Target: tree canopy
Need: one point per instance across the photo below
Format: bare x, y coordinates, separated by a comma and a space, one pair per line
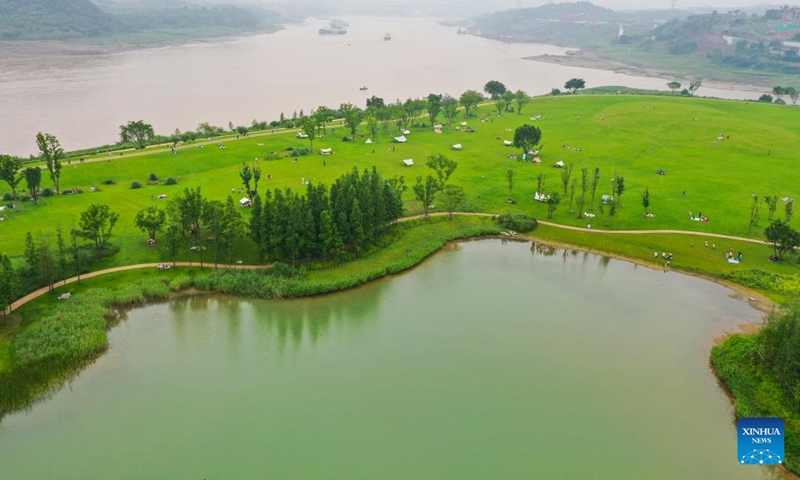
526, 137
494, 89
575, 84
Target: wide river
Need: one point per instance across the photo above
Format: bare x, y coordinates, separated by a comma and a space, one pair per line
82, 99
490, 360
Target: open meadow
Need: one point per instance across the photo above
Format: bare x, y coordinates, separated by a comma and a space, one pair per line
715, 155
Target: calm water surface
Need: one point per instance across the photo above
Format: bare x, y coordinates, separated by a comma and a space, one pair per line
491, 360
82, 99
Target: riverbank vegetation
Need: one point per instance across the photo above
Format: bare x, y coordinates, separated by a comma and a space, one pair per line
762, 371
82, 19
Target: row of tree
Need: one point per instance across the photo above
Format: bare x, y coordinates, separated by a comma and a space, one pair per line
324, 223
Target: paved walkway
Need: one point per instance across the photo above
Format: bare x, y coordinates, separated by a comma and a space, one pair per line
42, 291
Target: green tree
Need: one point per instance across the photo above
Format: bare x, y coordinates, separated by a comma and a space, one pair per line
782, 237
510, 180
619, 189
433, 104
443, 166
256, 167
575, 84
453, 197
793, 94
425, 191
450, 110
584, 189
51, 153
674, 86
789, 210
214, 221
189, 206
527, 137
375, 102
779, 92
9, 172
96, 224
371, 119
494, 89
755, 214
353, 116
646, 200
504, 102
521, 99
246, 174
232, 227
553, 200
150, 220
310, 127
541, 181
137, 132
469, 100
566, 173
46, 265
694, 86
9, 284
63, 256
322, 117
75, 251
33, 179
595, 181
772, 205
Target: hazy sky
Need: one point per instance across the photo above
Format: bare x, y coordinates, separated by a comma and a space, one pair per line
722, 5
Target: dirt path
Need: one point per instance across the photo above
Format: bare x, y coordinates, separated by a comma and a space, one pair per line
42, 291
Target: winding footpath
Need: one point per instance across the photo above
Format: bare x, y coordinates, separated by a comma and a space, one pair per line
38, 293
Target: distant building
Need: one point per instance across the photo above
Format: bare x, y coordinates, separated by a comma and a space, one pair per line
792, 14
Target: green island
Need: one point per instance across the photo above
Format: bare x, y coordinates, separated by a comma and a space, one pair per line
709, 180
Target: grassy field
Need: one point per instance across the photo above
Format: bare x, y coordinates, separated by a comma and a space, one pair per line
633, 135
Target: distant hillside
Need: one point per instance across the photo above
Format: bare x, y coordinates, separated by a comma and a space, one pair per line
570, 24
75, 19
54, 19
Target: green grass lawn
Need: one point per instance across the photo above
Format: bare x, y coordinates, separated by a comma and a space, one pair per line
634, 135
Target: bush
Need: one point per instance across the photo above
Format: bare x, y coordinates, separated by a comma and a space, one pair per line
47, 192
555, 91
517, 222
766, 98
780, 101
347, 139
171, 181
153, 177
7, 197
136, 185
299, 152
109, 182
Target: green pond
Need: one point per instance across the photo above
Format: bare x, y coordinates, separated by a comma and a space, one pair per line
490, 360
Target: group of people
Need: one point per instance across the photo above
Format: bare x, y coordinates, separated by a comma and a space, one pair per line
666, 257
732, 258
163, 266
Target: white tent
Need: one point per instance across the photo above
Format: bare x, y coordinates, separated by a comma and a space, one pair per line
541, 197
325, 151
464, 124
369, 141
406, 132
408, 162
559, 164
508, 143
400, 139
302, 135
245, 202
457, 146
437, 128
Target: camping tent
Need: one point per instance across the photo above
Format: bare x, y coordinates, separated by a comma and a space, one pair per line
464, 124
437, 128
559, 164
369, 141
508, 143
400, 139
302, 135
406, 132
245, 202
408, 162
325, 151
457, 146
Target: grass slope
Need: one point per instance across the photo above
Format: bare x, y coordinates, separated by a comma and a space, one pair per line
633, 135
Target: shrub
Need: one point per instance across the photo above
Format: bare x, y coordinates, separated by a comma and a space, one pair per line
517, 222
171, 181
136, 185
153, 177
299, 152
347, 139
47, 192
7, 197
109, 182
766, 98
555, 91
